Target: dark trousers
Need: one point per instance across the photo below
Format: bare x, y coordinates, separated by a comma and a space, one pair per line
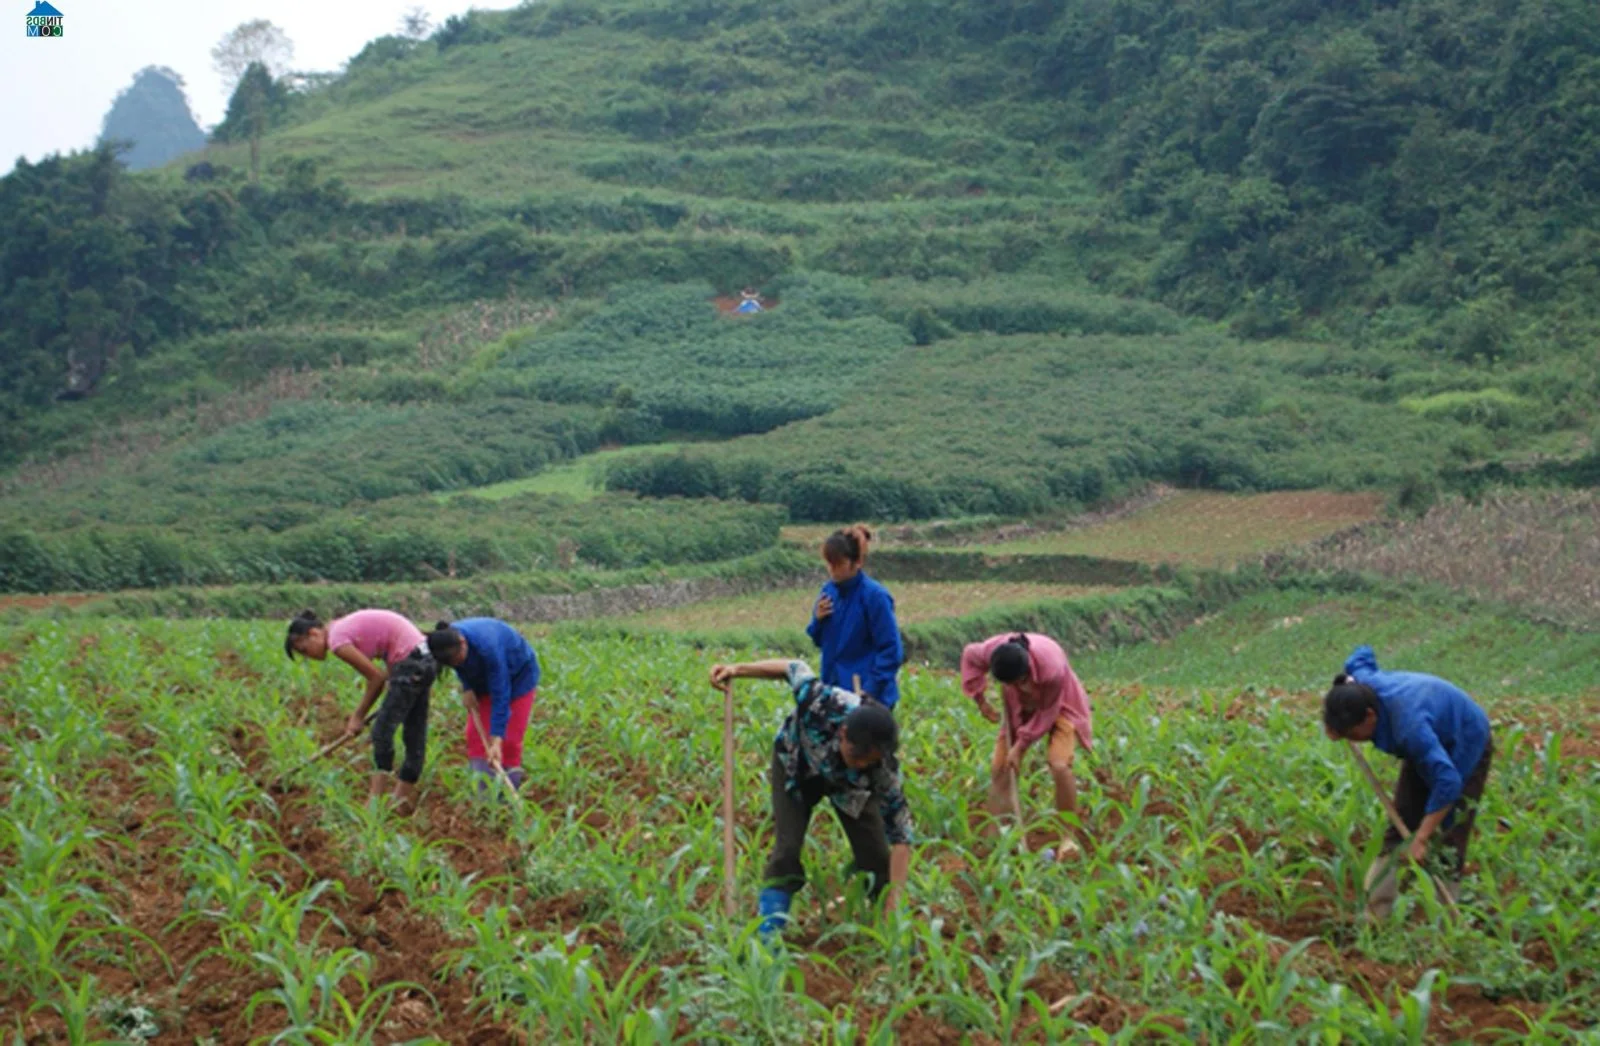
404, 708
1411, 800
791, 815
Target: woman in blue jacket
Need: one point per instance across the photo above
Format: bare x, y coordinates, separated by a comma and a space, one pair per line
853, 623
1445, 745
499, 673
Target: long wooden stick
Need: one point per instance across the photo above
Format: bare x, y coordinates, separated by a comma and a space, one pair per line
1394, 815
483, 739
730, 898
330, 747
1015, 772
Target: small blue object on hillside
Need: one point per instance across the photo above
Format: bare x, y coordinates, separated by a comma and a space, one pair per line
1431, 723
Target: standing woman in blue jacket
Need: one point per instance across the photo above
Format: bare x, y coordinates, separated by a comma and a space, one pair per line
1442, 739
853, 623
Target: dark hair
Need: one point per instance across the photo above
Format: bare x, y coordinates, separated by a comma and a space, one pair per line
1010, 662
300, 626
1346, 704
444, 640
871, 728
848, 545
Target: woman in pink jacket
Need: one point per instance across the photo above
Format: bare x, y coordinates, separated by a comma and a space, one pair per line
1042, 696
407, 672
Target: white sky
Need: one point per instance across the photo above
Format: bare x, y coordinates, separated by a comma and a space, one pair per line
57, 91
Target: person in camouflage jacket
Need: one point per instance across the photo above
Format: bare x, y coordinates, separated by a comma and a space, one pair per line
836, 746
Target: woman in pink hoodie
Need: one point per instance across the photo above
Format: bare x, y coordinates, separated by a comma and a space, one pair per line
1042, 696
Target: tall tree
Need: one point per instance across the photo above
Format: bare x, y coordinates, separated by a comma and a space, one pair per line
237, 55
153, 116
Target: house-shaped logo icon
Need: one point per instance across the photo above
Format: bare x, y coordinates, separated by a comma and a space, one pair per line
45, 20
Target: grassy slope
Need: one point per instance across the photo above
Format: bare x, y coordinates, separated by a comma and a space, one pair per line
962, 221
580, 479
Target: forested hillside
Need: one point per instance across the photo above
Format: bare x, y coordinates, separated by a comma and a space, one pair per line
1018, 255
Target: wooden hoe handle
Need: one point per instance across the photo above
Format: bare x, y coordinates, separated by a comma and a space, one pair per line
729, 885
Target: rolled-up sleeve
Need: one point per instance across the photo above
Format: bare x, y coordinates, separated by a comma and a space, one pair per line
800, 679
975, 666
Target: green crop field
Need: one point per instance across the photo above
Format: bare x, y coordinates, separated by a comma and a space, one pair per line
581, 479
162, 888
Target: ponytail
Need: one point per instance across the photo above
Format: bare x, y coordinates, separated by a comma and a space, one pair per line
848, 545
299, 626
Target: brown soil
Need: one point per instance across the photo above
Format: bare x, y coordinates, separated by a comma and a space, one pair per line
45, 602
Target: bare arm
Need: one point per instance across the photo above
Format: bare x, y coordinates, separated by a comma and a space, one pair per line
1424, 832
773, 669
375, 676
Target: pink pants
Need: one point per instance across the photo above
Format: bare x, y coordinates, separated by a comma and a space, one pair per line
516, 727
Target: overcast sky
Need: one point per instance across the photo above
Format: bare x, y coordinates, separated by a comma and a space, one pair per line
55, 92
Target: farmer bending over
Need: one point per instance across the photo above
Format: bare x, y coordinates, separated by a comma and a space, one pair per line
361, 640
1042, 696
833, 745
1442, 738
499, 674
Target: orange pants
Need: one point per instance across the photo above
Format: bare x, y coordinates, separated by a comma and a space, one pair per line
1063, 746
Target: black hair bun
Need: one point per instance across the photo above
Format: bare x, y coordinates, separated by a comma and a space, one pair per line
440, 626
307, 615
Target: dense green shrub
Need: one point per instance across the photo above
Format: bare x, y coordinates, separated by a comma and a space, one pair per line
313, 456
405, 539
1017, 425
697, 369
1022, 305
503, 595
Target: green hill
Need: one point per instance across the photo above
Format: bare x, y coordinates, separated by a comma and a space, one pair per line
1023, 254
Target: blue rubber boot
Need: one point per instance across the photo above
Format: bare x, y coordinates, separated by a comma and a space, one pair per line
774, 908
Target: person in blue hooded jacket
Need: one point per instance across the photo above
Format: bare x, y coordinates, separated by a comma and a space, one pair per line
1443, 740
853, 622
499, 674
